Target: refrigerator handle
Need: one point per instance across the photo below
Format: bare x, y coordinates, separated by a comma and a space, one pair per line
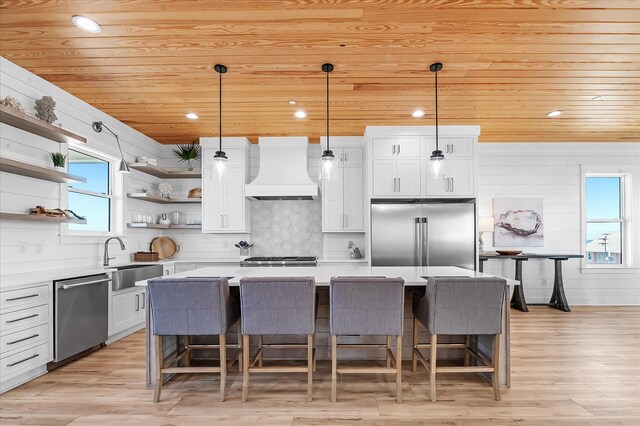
425, 242
417, 250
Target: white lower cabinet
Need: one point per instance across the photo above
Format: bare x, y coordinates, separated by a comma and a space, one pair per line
128, 309
397, 178
343, 201
26, 333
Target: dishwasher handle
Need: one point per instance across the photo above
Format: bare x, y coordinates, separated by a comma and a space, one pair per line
68, 286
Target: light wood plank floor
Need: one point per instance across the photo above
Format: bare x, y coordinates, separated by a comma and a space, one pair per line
580, 368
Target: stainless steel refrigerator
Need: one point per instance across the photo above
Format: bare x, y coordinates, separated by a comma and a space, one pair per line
423, 233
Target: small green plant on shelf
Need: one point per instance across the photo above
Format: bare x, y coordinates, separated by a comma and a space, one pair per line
59, 160
187, 153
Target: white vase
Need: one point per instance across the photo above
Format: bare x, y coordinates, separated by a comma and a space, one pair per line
59, 169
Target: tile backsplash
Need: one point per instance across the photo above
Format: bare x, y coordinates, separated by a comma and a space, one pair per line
286, 228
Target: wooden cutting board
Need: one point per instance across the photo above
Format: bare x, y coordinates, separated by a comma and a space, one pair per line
165, 247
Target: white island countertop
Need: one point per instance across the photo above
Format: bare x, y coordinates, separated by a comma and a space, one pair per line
323, 273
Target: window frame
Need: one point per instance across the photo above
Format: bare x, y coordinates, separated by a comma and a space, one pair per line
115, 195
625, 220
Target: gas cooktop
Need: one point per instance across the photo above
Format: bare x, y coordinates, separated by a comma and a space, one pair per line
280, 261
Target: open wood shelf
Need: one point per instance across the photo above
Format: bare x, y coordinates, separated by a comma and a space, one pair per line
38, 172
37, 127
38, 218
159, 226
166, 173
162, 200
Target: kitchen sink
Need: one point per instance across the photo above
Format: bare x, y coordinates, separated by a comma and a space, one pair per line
126, 276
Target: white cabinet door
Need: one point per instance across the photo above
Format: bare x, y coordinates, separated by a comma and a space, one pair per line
384, 178
408, 174
213, 201
332, 202
353, 199
408, 147
168, 269
437, 176
142, 306
459, 147
233, 220
461, 174
352, 156
124, 310
384, 147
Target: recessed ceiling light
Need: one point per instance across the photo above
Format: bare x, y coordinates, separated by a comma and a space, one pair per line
292, 102
192, 115
596, 98
417, 113
300, 114
554, 113
86, 24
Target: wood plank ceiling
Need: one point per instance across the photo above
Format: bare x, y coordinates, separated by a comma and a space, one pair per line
506, 64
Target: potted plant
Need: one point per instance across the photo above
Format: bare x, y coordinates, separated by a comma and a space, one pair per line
58, 160
244, 248
188, 153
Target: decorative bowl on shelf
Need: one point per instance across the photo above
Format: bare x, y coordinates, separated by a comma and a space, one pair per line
508, 252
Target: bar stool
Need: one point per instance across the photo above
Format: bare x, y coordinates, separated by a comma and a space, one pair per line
277, 306
367, 306
460, 306
191, 307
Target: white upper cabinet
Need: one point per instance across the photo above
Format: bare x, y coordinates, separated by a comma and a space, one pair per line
453, 147
454, 178
405, 147
396, 178
343, 197
224, 206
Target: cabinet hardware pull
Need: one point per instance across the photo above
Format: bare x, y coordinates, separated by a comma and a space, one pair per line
394, 184
221, 221
398, 184
23, 360
22, 319
452, 148
23, 339
398, 149
345, 157
137, 302
142, 298
451, 184
22, 297
393, 151
68, 286
342, 158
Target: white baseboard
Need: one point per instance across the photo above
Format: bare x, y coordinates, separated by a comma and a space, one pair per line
124, 333
23, 378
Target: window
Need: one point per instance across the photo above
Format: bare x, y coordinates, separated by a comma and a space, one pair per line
92, 199
605, 226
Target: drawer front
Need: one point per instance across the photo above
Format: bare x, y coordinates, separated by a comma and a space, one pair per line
15, 364
24, 296
24, 338
24, 318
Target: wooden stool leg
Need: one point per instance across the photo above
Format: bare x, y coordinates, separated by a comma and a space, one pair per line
399, 368
159, 367
310, 367
467, 345
315, 353
187, 357
388, 349
334, 365
414, 358
240, 345
496, 367
223, 366
432, 364
261, 356
245, 372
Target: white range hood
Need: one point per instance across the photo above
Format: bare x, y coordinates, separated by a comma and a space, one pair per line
283, 171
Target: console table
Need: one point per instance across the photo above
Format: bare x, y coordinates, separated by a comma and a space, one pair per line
558, 298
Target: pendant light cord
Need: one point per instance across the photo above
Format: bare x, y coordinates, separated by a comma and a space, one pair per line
437, 146
328, 112
220, 111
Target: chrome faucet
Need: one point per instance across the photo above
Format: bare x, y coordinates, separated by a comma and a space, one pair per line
106, 249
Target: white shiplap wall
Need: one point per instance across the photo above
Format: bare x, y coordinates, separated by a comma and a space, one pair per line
553, 171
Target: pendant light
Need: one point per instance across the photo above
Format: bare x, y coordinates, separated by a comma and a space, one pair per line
436, 155
327, 169
98, 126
220, 157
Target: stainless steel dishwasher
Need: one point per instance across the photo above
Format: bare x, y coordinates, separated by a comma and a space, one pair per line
81, 315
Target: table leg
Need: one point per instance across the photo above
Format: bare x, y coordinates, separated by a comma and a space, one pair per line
558, 298
517, 300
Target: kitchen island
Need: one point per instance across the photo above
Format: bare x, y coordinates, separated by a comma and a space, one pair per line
415, 280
